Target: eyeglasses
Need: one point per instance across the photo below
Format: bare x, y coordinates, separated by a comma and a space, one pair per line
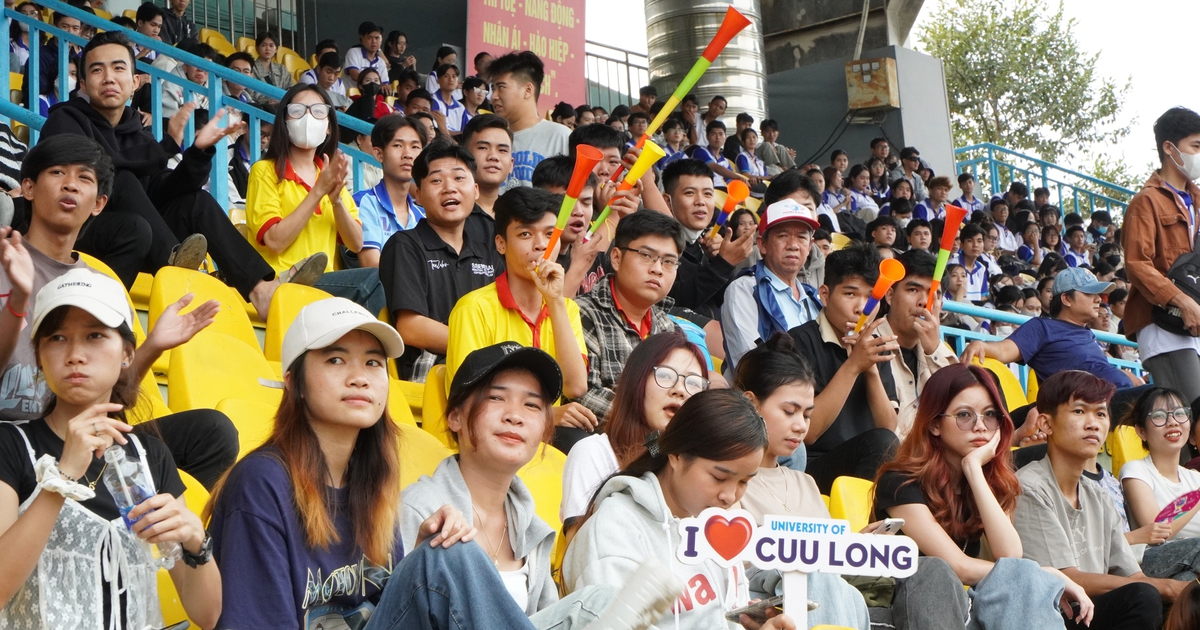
1182, 415
967, 418
296, 111
669, 263
666, 377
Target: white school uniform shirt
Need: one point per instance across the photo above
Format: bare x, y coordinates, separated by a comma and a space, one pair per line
356, 59
310, 77
970, 206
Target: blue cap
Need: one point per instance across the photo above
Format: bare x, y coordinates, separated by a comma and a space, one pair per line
1079, 279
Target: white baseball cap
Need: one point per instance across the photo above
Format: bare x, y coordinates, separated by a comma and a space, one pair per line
786, 210
99, 295
321, 323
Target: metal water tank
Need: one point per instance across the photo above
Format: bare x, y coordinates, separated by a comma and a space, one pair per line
677, 32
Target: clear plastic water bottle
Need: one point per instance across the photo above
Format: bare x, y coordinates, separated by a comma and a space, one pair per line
128, 484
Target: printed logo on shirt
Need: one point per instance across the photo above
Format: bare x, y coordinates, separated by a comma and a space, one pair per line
523, 164
435, 264
481, 269
351, 580
699, 592
21, 390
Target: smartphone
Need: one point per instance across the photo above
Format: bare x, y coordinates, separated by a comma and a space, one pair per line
758, 610
889, 526
182, 625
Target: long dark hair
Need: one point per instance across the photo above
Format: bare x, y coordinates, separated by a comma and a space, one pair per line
717, 424
125, 391
1185, 613
626, 423
281, 141
770, 366
921, 458
372, 475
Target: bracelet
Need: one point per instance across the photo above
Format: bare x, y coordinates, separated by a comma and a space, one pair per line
8, 306
51, 479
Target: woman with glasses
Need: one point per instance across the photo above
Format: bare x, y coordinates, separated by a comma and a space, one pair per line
954, 485
1157, 482
662, 372
298, 209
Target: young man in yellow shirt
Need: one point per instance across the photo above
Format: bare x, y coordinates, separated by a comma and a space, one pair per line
526, 302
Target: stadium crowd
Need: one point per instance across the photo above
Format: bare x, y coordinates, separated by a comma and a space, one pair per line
677, 367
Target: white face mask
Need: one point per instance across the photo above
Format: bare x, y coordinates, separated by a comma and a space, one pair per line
1190, 166
904, 222
307, 132
71, 83
24, 27
1003, 331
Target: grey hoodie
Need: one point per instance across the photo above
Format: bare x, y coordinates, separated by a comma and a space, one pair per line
530, 536
631, 523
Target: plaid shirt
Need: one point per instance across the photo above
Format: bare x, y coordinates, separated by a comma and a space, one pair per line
610, 339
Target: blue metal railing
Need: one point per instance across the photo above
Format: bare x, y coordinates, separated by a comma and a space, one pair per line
1073, 191
959, 338
217, 74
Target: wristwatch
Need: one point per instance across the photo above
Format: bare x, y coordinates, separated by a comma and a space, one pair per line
205, 555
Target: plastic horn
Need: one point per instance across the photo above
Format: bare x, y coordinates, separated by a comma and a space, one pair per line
954, 218
651, 153
891, 271
738, 191
586, 158
733, 24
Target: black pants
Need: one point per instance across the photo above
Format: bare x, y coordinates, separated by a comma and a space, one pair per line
120, 240
860, 456
174, 217
203, 442
1132, 607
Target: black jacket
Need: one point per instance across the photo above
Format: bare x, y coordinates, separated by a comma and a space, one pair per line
133, 148
701, 280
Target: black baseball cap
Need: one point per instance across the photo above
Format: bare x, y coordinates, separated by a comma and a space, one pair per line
484, 362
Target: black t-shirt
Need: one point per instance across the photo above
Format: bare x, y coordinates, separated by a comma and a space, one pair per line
423, 274
855, 417
891, 491
17, 471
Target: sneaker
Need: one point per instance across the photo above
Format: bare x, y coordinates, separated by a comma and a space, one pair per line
307, 271
190, 253
645, 598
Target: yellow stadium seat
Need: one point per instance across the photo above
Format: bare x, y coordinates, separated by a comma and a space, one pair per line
16, 80
1125, 446
1032, 389
420, 454
215, 39
397, 405
172, 283
285, 305
294, 65
1014, 395
717, 364
414, 394
150, 403
214, 366
825, 498
353, 91
196, 498
433, 407
253, 420
104, 14
543, 476
130, 13
850, 499
246, 45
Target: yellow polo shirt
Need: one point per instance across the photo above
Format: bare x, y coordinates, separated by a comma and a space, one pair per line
490, 315
269, 200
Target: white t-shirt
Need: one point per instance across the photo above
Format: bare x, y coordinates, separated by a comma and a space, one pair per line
356, 59
530, 146
590, 462
1153, 341
517, 584
1165, 490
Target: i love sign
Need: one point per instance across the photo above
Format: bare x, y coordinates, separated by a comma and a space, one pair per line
786, 543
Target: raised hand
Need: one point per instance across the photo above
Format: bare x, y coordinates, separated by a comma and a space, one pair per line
173, 330
18, 266
211, 133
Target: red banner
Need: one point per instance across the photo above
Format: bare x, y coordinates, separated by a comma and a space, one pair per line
552, 29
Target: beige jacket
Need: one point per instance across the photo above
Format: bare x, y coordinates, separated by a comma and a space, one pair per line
908, 385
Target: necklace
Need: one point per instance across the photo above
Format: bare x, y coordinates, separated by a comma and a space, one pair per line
496, 549
783, 502
92, 484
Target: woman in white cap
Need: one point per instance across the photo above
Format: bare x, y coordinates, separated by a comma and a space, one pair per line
69, 559
307, 525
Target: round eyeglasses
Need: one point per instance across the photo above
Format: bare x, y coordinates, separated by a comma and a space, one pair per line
1158, 418
296, 111
666, 377
967, 418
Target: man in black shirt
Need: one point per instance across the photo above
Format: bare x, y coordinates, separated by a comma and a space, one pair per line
426, 269
177, 26
853, 424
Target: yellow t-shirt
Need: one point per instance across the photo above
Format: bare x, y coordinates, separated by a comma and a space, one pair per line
489, 315
269, 200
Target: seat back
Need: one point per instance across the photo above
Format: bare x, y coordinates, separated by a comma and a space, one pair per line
543, 476
214, 366
246, 45
1014, 394
253, 419
433, 406
286, 303
420, 454
1125, 446
172, 283
397, 405
150, 404
196, 497
850, 499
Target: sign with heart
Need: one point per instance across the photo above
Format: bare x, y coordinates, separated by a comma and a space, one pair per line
791, 544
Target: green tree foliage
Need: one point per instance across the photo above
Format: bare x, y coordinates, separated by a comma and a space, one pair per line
1016, 76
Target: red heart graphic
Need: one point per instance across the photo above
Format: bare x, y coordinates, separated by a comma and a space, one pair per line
728, 537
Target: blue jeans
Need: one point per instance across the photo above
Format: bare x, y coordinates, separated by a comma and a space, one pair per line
1016, 594
361, 286
1174, 559
459, 589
